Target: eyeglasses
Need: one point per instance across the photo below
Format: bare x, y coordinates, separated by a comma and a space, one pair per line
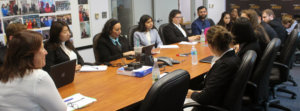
178, 17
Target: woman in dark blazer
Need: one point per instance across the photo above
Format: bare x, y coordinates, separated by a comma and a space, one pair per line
111, 45
245, 37
224, 66
174, 32
59, 46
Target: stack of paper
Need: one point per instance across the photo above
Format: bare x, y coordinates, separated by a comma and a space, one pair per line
169, 46
87, 68
188, 43
77, 101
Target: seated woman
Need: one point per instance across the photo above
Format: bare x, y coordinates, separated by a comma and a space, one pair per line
245, 37
224, 66
225, 21
174, 32
146, 33
59, 46
259, 31
111, 44
24, 85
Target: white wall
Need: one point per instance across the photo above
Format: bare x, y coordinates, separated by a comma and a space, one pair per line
141, 7
215, 9
96, 6
185, 8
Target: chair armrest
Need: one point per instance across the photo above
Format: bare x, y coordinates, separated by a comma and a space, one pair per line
280, 65
251, 84
195, 104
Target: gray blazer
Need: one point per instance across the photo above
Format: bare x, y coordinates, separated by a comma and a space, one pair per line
142, 39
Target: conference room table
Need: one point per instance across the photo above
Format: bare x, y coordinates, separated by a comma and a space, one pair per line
114, 91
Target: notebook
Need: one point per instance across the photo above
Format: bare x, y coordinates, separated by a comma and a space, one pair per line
63, 73
206, 59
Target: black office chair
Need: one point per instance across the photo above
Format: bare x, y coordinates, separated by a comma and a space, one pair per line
257, 91
233, 97
280, 72
167, 94
96, 52
161, 34
131, 31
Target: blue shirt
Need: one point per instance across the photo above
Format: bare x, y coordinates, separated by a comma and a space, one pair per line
198, 25
114, 41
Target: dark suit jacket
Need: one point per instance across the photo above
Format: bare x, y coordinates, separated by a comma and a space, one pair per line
173, 35
217, 80
56, 56
109, 51
271, 32
2, 54
279, 29
244, 47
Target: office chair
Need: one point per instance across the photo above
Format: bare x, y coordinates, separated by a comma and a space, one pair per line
280, 72
257, 91
166, 94
233, 97
131, 31
95, 44
160, 32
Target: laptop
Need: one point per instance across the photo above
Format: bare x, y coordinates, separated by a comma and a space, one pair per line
63, 73
207, 59
147, 49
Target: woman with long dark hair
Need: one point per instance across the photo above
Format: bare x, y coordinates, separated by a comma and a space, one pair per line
111, 45
24, 85
146, 33
225, 21
59, 46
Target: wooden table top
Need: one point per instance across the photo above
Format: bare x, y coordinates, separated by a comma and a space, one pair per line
114, 91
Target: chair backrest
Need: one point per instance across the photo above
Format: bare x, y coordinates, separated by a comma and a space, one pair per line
287, 52
160, 32
262, 72
95, 44
168, 93
131, 31
233, 98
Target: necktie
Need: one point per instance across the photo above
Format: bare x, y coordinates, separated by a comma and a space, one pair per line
117, 44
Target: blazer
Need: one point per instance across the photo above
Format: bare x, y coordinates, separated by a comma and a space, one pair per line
2, 54
279, 29
173, 35
109, 51
244, 47
218, 80
142, 39
56, 56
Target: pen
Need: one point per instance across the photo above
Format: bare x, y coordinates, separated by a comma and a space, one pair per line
68, 99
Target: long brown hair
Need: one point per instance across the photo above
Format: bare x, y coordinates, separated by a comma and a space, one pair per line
20, 55
55, 30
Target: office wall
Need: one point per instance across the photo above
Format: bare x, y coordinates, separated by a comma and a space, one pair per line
185, 8
141, 7
96, 7
215, 9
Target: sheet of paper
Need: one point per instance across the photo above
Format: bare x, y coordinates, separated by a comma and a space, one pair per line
188, 43
77, 101
169, 46
87, 68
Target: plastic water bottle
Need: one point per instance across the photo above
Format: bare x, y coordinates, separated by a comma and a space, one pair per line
155, 71
202, 36
194, 56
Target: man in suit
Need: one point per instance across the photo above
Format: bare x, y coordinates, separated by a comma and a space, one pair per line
202, 22
174, 32
10, 31
269, 17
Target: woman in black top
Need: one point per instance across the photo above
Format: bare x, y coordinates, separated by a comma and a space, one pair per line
111, 45
245, 37
59, 46
224, 66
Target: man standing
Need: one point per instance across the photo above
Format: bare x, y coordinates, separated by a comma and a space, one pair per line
269, 17
202, 22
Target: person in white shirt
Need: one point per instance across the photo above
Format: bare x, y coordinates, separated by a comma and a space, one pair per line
24, 85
